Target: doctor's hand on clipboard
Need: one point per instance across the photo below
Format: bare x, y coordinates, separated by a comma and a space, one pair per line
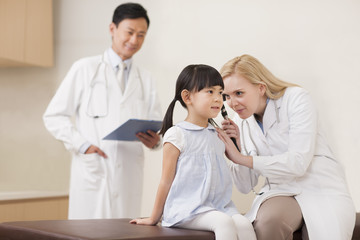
95, 149
150, 139
142, 130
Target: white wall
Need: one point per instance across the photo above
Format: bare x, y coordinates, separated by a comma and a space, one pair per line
311, 43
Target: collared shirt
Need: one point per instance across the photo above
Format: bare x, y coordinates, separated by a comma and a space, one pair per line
116, 59
202, 181
261, 125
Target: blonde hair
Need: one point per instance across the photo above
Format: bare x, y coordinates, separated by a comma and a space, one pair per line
254, 71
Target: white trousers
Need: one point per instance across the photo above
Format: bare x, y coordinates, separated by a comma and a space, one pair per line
225, 227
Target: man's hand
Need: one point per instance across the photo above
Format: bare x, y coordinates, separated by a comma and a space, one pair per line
149, 139
95, 149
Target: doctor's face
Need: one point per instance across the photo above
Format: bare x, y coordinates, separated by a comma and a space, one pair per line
244, 97
128, 36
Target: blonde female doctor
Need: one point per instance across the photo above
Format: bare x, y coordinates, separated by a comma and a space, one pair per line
276, 128
106, 176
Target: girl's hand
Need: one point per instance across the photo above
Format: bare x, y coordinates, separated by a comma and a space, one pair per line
143, 221
231, 129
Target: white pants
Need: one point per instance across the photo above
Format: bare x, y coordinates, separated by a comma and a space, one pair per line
225, 227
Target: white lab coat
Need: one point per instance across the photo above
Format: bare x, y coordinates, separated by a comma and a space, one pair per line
112, 187
295, 157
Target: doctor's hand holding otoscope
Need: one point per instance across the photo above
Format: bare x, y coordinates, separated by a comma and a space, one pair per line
229, 126
230, 135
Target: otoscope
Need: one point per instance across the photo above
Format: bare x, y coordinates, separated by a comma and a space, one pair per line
225, 116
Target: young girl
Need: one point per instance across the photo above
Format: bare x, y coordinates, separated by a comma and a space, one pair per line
195, 188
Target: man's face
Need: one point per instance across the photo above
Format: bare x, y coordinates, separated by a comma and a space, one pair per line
128, 36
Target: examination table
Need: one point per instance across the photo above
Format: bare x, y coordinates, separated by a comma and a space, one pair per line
106, 229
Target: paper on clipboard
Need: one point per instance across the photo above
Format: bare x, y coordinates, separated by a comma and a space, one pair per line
128, 130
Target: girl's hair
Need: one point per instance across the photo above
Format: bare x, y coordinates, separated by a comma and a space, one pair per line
193, 78
254, 71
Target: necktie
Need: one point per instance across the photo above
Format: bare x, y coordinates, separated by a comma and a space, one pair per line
120, 76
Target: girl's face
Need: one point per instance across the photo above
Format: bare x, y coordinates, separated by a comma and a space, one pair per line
205, 104
244, 97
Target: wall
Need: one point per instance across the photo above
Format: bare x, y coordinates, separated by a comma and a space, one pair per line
311, 43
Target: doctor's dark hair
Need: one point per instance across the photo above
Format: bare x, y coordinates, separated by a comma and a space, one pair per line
193, 78
129, 11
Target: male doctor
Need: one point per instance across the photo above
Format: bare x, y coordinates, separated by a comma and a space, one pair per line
102, 92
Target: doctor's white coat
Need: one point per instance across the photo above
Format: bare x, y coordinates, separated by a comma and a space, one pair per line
295, 157
99, 187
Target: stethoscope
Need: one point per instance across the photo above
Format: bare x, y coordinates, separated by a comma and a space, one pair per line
256, 151
251, 153
98, 100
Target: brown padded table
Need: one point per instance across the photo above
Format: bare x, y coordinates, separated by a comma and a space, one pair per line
95, 229
106, 229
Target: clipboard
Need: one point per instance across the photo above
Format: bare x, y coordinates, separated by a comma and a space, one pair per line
128, 130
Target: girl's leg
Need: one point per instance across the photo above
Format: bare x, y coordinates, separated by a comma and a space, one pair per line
245, 230
278, 218
220, 223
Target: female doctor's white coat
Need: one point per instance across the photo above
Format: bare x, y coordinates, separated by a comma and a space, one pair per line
292, 153
99, 187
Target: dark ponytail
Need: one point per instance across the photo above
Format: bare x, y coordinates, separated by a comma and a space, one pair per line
168, 118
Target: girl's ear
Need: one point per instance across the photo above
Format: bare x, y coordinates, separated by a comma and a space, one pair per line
185, 95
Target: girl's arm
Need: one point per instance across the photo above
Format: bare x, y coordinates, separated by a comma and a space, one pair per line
170, 157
